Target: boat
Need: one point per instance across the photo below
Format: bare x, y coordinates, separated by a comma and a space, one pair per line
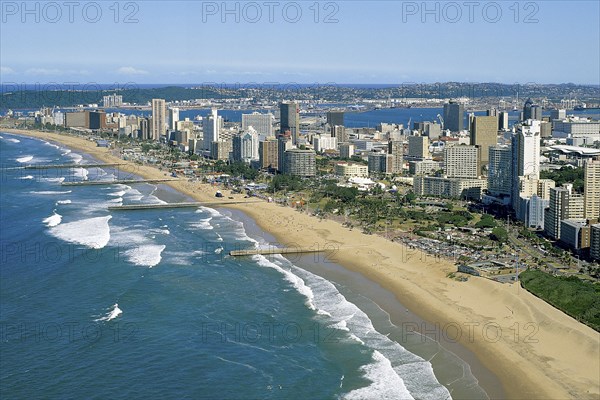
218, 194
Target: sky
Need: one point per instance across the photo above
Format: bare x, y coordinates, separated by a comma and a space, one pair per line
300, 41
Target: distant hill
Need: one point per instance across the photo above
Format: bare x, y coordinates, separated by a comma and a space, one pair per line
337, 93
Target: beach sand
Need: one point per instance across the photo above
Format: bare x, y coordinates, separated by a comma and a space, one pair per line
535, 350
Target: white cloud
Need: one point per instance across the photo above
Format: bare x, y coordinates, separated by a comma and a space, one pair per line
131, 71
6, 70
42, 71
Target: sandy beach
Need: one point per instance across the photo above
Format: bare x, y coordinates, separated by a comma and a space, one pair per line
535, 350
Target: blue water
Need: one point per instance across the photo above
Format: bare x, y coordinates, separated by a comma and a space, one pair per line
361, 119
107, 304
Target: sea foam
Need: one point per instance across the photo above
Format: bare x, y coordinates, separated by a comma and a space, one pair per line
146, 255
53, 220
51, 192
92, 232
113, 313
24, 159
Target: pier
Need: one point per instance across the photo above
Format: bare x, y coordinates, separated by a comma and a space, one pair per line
64, 166
132, 207
276, 250
116, 182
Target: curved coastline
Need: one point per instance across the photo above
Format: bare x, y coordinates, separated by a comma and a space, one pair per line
534, 349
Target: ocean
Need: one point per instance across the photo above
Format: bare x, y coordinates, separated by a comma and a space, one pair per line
148, 304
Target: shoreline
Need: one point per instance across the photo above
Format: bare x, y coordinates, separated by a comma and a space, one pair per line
517, 336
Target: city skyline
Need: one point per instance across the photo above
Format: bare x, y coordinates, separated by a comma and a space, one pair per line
414, 43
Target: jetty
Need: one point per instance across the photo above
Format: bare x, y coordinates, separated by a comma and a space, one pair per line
116, 182
64, 166
276, 250
131, 207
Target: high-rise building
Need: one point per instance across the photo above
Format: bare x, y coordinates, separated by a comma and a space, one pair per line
545, 129
418, 146
112, 101
324, 142
284, 143
396, 148
159, 122
267, 153
346, 150
536, 112
500, 171
595, 241
290, 119
527, 109
533, 209
144, 129
173, 118
492, 112
339, 132
591, 189
381, 163
220, 150
335, 118
211, 127
575, 233
449, 187
423, 167
564, 204
432, 130
525, 156
484, 134
461, 162
245, 146
97, 120
558, 114
300, 163
454, 116
262, 123
503, 121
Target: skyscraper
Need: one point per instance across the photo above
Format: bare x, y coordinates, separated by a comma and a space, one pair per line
527, 109
245, 146
396, 148
564, 204
591, 189
300, 162
346, 150
503, 121
211, 127
267, 153
536, 112
381, 163
159, 122
418, 146
262, 123
284, 143
461, 162
453, 116
290, 119
484, 134
335, 118
500, 171
173, 118
525, 156
339, 132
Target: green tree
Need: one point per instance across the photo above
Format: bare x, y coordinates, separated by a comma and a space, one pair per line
499, 234
486, 221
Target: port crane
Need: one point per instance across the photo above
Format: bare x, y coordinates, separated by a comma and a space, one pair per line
441, 120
